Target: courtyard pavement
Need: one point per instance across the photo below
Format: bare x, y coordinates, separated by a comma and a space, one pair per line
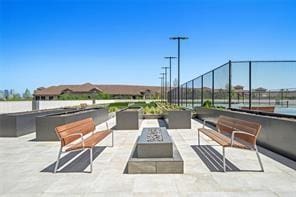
26, 169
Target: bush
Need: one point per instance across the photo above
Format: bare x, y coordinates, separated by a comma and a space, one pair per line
207, 104
113, 109
119, 105
97, 96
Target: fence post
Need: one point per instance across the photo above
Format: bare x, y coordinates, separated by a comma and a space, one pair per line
269, 97
186, 97
201, 96
282, 97
213, 88
192, 92
229, 94
250, 85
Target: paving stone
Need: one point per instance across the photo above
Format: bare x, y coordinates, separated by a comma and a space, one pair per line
22, 161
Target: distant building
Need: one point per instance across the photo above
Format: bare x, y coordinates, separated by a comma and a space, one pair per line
238, 88
115, 91
12, 92
260, 89
6, 93
2, 97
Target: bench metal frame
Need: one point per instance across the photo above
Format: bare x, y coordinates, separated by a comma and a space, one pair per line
82, 149
232, 140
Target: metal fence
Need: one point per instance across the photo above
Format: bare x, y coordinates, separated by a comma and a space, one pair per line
247, 85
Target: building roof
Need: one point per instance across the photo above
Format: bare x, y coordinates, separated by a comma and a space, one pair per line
88, 87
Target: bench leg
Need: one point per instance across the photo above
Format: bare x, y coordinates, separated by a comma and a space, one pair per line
112, 138
259, 159
224, 166
58, 160
91, 159
198, 134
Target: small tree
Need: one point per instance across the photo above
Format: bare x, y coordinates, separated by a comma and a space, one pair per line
27, 94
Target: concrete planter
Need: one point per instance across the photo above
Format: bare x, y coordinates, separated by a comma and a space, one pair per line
278, 134
22, 123
179, 119
45, 125
129, 119
153, 116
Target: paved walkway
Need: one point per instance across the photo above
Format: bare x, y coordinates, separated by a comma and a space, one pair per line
26, 170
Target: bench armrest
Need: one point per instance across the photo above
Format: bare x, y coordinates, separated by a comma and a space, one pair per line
74, 134
240, 132
204, 123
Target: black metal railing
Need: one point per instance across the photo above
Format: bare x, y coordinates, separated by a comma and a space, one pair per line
243, 85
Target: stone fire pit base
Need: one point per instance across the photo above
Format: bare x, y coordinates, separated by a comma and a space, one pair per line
146, 159
173, 165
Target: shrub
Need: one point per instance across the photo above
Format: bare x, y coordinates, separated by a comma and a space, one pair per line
207, 104
113, 109
152, 110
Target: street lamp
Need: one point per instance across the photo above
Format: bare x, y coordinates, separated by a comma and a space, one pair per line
170, 58
165, 84
178, 38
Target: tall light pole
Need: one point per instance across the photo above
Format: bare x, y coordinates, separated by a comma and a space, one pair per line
162, 84
170, 58
160, 88
165, 83
178, 38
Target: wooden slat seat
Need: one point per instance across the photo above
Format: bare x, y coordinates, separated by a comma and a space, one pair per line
222, 140
80, 135
235, 133
89, 142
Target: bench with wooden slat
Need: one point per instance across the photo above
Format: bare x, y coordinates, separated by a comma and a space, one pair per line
234, 132
80, 135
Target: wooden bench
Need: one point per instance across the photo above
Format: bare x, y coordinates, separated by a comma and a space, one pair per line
235, 133
80, 135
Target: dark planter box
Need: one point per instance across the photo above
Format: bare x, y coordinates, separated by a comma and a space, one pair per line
129, 119
179, 119
153, 116
45, 125
278, 134
21, 123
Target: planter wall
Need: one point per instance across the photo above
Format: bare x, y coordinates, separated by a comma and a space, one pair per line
45, 125
129, 119
153, 116
18, 124
179, 119
278, 134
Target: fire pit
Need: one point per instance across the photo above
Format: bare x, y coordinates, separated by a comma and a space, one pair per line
155, 153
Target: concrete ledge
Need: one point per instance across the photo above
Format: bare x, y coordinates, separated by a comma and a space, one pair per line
45, 125
22, 123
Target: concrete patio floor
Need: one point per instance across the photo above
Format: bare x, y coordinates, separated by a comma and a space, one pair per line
26, 170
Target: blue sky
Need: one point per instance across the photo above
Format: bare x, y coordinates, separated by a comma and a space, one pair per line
45, 43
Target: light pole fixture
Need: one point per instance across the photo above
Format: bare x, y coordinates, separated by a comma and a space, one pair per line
165, 82
170, 58
179, 38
